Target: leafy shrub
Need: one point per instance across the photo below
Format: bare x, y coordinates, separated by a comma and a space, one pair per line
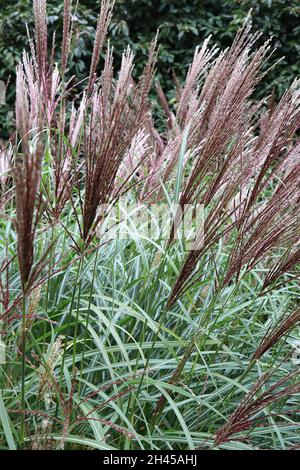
183, 25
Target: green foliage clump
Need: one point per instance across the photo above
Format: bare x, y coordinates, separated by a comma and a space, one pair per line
115, 332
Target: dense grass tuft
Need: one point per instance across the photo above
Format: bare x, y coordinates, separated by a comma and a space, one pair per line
141, 342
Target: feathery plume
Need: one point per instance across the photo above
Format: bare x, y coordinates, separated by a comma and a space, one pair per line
6, 155
65, 47
27, 172
243, 417
101, 32
244, 166
116, 117
273, 336
41, 36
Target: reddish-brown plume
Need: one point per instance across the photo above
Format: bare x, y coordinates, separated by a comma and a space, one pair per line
275, 334
27, 170
117, 114
243, 418
237, 157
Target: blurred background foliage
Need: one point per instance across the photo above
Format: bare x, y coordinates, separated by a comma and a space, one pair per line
182, 24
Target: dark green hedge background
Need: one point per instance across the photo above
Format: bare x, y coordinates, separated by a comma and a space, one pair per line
183, 24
